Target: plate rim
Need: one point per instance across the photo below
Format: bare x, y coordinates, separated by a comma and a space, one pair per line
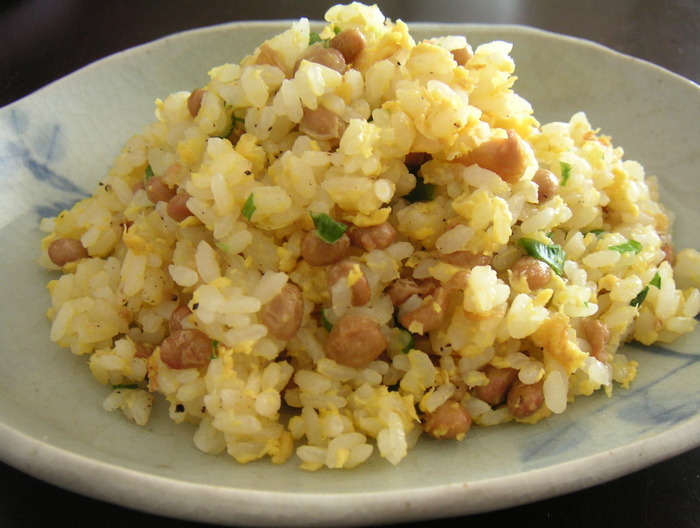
124, 486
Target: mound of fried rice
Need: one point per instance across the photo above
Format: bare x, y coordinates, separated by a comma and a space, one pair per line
427, 140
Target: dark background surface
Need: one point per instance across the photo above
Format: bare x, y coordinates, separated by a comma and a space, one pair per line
43, 40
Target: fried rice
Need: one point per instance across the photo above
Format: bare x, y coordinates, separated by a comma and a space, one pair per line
352, 238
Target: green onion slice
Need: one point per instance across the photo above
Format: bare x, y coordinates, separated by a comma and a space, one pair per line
328, 229
149, 174
249, 207
325, 322
631, 246
411, 343
597, 232
565, 172
551, 254
656, 280
227, 132
422, 192
232, 128
639, 299
214, 348
314, 38
223, 247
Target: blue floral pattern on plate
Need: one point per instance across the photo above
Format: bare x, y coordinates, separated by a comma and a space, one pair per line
646, 407
35, 150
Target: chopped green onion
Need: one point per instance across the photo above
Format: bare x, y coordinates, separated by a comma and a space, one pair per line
223, 247
226, 134
314, 38
129, 386
551, 254
406, 335
422, 192
656, 280
565, 172
248, 207
325, 322
328, 229
410, 345
631, 246
639, 299
597, 232
149, 173
231, 129
214, 347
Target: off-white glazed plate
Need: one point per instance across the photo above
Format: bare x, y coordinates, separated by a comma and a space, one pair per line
57, 143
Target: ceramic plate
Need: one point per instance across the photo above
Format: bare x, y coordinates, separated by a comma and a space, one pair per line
56, 144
